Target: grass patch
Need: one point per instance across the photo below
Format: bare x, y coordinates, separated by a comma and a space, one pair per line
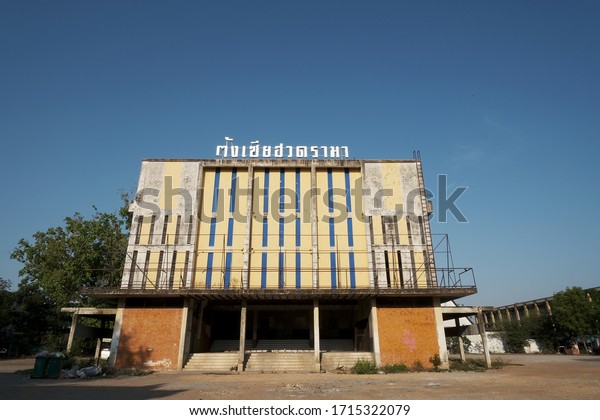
364, 367
396, 368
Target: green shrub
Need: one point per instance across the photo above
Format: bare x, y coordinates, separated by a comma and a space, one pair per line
436, 362
364, 367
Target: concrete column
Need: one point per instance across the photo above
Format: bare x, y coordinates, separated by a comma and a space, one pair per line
500, 317
183, 334
525, 310
242, 354
97, 352
460, 340
548, 308
114, 344
74, 321
508, 317
493, 318
484, 340
441, 334
375, 332
537, 309
248, 236
316, 334
517, 315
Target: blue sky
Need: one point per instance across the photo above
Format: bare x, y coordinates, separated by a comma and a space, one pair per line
502, 96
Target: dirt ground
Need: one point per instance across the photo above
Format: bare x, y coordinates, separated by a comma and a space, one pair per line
527, 377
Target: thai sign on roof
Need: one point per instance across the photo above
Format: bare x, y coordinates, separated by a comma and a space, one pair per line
280, 151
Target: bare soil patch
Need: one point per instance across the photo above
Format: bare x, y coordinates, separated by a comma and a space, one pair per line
529, 377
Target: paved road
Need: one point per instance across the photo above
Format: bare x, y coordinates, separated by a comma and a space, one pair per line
530, 377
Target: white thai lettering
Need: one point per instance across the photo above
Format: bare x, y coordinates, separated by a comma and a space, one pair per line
301, 151
222, 151
278, 151
334, 152
345, 149
254, 149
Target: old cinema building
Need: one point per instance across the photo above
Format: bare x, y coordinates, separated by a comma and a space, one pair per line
304, 263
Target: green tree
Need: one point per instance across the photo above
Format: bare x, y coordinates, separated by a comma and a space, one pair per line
85, 252
6, 299
576, 312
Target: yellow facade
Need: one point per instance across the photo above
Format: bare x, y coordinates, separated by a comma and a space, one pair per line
309, 227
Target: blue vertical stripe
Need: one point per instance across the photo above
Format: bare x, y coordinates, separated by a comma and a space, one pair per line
227, 277
281, 231
265, 237
352, 270
281, 189
230, 232
266, 192
263, 275
333, 264
331, 232
281, 270
215, 205
298, 190
298, 231
213, 226
209, 269
233, 190
348, 200
330, 190
298, 268
350, 232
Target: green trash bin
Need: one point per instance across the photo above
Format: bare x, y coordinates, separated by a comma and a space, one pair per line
54, 366
39, 368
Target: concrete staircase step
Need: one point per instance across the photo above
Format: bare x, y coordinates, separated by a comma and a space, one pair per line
212, 362
281, 362
331, 361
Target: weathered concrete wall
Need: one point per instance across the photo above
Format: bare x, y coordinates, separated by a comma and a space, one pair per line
407, 335
497, 344
149, 338
494, 342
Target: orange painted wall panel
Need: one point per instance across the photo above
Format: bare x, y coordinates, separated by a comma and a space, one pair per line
149, 338
407, 335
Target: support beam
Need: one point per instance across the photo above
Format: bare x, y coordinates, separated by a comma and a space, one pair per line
74, 321
114, 344
375, 332
484, 340
460, 340
316, 335
97, 352
183, 334
441, 334
242, 353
